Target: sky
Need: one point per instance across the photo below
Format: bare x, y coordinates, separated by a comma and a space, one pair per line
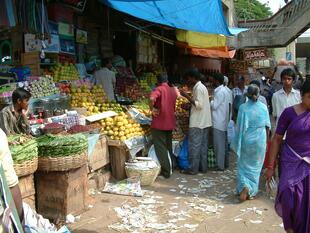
274, 4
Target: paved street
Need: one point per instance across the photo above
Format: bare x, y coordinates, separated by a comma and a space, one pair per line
202, 203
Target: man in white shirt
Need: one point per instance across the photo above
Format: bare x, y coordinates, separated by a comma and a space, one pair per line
287, 96
10, 175
106, 78
220, 119
199, 123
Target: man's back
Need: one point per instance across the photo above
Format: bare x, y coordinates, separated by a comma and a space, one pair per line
106, 78
165, 100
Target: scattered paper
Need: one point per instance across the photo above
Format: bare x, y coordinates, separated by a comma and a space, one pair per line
256, 221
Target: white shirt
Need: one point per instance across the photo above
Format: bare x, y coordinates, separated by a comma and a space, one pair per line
281, 101
7, 161
230, 100
220, 108
106, 78
200, 116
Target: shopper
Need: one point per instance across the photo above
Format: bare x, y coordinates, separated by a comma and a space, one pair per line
106, 78
162, 105
293, 198
261, 98
13, 118
239, 95
253, 126
220, 119
10, 175
199, 123
287, 96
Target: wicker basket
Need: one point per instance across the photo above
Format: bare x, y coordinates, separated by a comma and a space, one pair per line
26, 168
62, 163
147, 177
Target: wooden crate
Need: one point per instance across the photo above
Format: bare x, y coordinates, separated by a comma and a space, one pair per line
32, 60
61, 193
119, 154
26, 185
100, 156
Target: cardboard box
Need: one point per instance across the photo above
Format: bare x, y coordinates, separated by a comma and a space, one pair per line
61, 193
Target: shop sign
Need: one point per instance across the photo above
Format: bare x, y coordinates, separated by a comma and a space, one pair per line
81, 36
238, 65
32, 44
255, 54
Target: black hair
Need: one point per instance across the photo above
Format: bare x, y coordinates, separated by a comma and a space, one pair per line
305, 88
288, 72
255, 82
219, 77
162, 78
105, 61
193, 72
20, 94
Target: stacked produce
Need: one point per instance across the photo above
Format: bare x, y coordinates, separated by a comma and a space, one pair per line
143, 107
61, 145
23, 148
145, 86
151, 79
182, 105
65, 72
91, 98
41, 87
177, 133
121, 127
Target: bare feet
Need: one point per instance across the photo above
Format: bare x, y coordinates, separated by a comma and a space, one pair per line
244, 195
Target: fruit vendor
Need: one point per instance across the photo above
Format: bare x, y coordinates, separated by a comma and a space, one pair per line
106, 78
13, 118
162, 105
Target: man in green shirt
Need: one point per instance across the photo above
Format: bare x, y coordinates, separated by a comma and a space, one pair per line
13, 118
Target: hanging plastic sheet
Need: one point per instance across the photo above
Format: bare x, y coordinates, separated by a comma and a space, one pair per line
194, 15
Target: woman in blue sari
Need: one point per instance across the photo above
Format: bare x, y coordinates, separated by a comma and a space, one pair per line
253, 124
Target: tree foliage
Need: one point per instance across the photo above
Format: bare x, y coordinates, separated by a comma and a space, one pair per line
251, 10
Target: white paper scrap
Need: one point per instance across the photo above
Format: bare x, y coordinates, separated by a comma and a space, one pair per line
256, 221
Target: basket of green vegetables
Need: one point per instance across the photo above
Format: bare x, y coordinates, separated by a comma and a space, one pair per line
24, 152
62, 152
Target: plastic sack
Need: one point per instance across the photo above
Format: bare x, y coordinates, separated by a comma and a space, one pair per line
35, 223
152, 154
183, 155
231, 131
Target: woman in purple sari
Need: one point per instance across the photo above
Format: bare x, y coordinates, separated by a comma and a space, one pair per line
293, 198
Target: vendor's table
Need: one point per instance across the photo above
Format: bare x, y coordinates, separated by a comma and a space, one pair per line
61, 193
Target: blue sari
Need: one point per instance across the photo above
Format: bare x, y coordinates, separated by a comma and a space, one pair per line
250, 144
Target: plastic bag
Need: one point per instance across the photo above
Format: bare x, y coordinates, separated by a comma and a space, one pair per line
230, 131
35, 223
152, 154
183, 155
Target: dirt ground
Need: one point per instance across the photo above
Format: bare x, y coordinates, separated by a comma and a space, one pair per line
204, 203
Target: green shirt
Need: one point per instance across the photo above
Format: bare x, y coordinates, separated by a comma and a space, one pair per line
12, 124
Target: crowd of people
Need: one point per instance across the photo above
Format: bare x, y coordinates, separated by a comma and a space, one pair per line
246, 106
252, 114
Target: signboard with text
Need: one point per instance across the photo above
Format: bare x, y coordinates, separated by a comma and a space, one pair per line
255, 54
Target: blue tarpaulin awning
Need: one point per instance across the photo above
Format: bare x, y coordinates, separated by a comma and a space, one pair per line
194, 15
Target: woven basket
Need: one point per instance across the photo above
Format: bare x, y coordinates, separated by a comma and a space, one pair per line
26, 168
147, 177
62, 163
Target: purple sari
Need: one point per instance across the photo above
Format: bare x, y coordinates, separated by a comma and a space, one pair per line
293, 198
